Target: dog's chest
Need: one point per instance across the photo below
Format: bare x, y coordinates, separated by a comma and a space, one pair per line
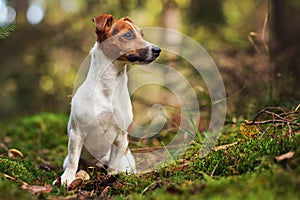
115, 108
109, 107
103, 98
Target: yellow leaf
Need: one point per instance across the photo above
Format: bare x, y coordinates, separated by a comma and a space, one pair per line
248, 130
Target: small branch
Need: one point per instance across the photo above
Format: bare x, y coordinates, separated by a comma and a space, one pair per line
273, 121
282, 119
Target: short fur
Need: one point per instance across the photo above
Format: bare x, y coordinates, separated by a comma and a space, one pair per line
101, 111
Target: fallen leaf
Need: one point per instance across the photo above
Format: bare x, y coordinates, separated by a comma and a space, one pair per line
105, 191
37, 189
248, 130
14, 153
288, 155
74, 185
83, 175
24, 185
225, 146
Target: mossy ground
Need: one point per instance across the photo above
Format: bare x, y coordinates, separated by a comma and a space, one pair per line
245, 170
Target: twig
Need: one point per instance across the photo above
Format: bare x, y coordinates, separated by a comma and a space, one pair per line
282, 119
151, 149
273, 121
214, 169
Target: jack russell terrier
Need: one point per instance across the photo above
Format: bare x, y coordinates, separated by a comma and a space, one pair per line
101, 110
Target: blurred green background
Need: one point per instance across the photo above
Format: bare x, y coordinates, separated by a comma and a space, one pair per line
257, 58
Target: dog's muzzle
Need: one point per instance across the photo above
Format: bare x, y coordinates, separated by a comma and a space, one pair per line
146, 55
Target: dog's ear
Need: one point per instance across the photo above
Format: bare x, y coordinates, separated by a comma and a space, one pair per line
127, 19
103, 20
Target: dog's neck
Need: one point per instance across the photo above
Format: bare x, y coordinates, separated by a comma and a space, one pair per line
105, 72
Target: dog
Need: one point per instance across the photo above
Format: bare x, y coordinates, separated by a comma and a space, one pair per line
101, 110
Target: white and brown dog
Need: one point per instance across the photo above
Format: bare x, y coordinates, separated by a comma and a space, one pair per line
101, 111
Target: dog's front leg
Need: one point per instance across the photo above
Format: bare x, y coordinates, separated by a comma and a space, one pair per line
117, 152
71, 163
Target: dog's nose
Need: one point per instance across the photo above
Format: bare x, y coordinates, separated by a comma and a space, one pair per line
156, 50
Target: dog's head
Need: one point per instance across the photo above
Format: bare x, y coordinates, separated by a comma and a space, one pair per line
122, 40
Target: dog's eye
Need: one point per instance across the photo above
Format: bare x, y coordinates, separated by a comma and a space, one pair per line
129, 35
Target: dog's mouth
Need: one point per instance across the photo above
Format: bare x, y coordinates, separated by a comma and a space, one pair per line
144, 56
137, 59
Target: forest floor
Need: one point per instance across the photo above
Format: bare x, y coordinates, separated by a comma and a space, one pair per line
250, 161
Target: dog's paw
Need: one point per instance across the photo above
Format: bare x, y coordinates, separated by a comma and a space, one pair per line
57, 181
64, 180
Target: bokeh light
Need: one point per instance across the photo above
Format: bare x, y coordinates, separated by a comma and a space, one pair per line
35, 12
69, 5
7, 14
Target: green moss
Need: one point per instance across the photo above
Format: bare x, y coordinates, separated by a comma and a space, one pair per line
10, 190
244, 170
266, 185
43, 140
275, 184
16, 169
40, 138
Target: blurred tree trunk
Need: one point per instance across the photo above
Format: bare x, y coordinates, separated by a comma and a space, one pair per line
285, 48
206, 12
21, 8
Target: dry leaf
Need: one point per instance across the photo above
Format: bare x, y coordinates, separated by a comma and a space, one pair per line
248, 130
225, 146
83, 175
105, 191
14, 153
288, 155
37, 189
75, 184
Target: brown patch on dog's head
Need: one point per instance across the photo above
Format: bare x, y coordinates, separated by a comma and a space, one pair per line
123, 40
127, 19
103, 24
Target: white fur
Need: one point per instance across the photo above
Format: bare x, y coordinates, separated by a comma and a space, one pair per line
100, 116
